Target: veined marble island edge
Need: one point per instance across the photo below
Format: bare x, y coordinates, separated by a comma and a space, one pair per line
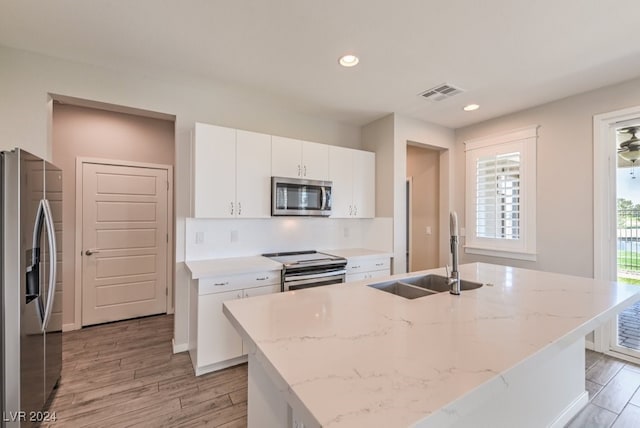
355, 356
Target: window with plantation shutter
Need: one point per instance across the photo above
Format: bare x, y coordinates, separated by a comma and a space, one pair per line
500, 203
498, 196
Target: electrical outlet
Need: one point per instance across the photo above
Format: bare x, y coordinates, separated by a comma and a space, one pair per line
346, 232
199, 237
428, 230
234, 236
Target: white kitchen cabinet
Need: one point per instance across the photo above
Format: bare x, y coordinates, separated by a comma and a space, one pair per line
359, 268
299, 159
213, 343
217, 339
353, 175
253, 175
232, 173
214, 161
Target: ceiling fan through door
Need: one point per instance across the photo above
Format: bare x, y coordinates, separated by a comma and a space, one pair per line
630, 149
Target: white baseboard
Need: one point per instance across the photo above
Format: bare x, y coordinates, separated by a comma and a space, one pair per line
572, 410
589, 345
179, 347
221, 365
70, 327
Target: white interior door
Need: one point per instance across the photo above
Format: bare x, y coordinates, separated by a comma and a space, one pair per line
124, 242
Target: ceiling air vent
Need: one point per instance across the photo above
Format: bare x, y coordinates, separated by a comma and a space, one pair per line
441, 92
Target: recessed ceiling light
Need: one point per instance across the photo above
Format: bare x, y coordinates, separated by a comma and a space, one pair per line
348, 60
471, 107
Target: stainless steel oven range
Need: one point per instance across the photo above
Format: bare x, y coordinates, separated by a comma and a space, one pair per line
306, 269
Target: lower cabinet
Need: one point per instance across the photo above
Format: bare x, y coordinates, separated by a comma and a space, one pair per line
367, 267
213, 342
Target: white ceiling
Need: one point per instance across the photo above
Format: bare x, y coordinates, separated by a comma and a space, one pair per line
507, 54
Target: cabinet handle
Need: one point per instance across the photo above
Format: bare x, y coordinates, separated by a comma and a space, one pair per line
262, 278
221, 283
355, 210
355, 267
239, 209
239, 295
299, 171
231, 208
305, 170
350, 210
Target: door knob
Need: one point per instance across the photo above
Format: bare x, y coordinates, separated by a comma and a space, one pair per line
90, 252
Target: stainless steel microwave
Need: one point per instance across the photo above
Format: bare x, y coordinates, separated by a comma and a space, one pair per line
300, 197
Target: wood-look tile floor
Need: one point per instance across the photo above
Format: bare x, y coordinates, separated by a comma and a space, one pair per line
124, 375
614, 394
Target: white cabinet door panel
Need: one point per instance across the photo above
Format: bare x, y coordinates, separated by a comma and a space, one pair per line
253, 175
286, 157
315, 161
364, 184
341, 175
261, 291
214, 171
217, 339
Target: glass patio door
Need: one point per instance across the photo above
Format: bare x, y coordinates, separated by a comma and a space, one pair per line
626, 330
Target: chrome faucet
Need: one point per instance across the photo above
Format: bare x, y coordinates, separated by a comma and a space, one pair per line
454, 277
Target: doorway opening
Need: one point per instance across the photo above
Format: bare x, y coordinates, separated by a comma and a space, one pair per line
423, 208
83, 129
625, 336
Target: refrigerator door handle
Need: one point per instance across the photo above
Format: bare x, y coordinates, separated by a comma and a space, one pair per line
53, 262
33, 270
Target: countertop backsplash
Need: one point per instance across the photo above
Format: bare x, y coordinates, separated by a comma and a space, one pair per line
216, 238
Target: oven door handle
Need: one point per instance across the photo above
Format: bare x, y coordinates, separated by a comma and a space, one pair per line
297, 278
288, 285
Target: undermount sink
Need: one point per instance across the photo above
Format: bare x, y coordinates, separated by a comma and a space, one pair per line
403, 290
421, 286
439, 283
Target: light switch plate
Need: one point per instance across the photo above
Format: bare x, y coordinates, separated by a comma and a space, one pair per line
234, 236
199, 237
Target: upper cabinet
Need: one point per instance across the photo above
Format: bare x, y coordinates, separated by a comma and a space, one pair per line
232, 173
299, 159
353, 175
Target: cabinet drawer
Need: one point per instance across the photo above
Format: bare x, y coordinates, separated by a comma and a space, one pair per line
368, 265
221, 284
367, 275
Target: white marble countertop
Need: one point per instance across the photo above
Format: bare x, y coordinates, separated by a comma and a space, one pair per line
352, 253
230, 266
350, 355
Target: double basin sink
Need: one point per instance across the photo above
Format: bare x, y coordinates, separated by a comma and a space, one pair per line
421, 286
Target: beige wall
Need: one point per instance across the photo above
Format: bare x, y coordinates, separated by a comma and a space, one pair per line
85, 132
27, 79
378, 137
564, 176
389, 137
423, 166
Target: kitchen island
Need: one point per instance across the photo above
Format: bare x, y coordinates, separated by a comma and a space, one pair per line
510, 353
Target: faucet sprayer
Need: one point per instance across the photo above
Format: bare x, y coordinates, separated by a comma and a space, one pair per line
454, 278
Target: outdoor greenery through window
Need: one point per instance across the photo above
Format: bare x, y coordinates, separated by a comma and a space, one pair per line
628, 251
500, 209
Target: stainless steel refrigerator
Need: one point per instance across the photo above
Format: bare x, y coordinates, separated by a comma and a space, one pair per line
31, 257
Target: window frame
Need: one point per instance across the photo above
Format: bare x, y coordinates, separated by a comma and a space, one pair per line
523, 141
